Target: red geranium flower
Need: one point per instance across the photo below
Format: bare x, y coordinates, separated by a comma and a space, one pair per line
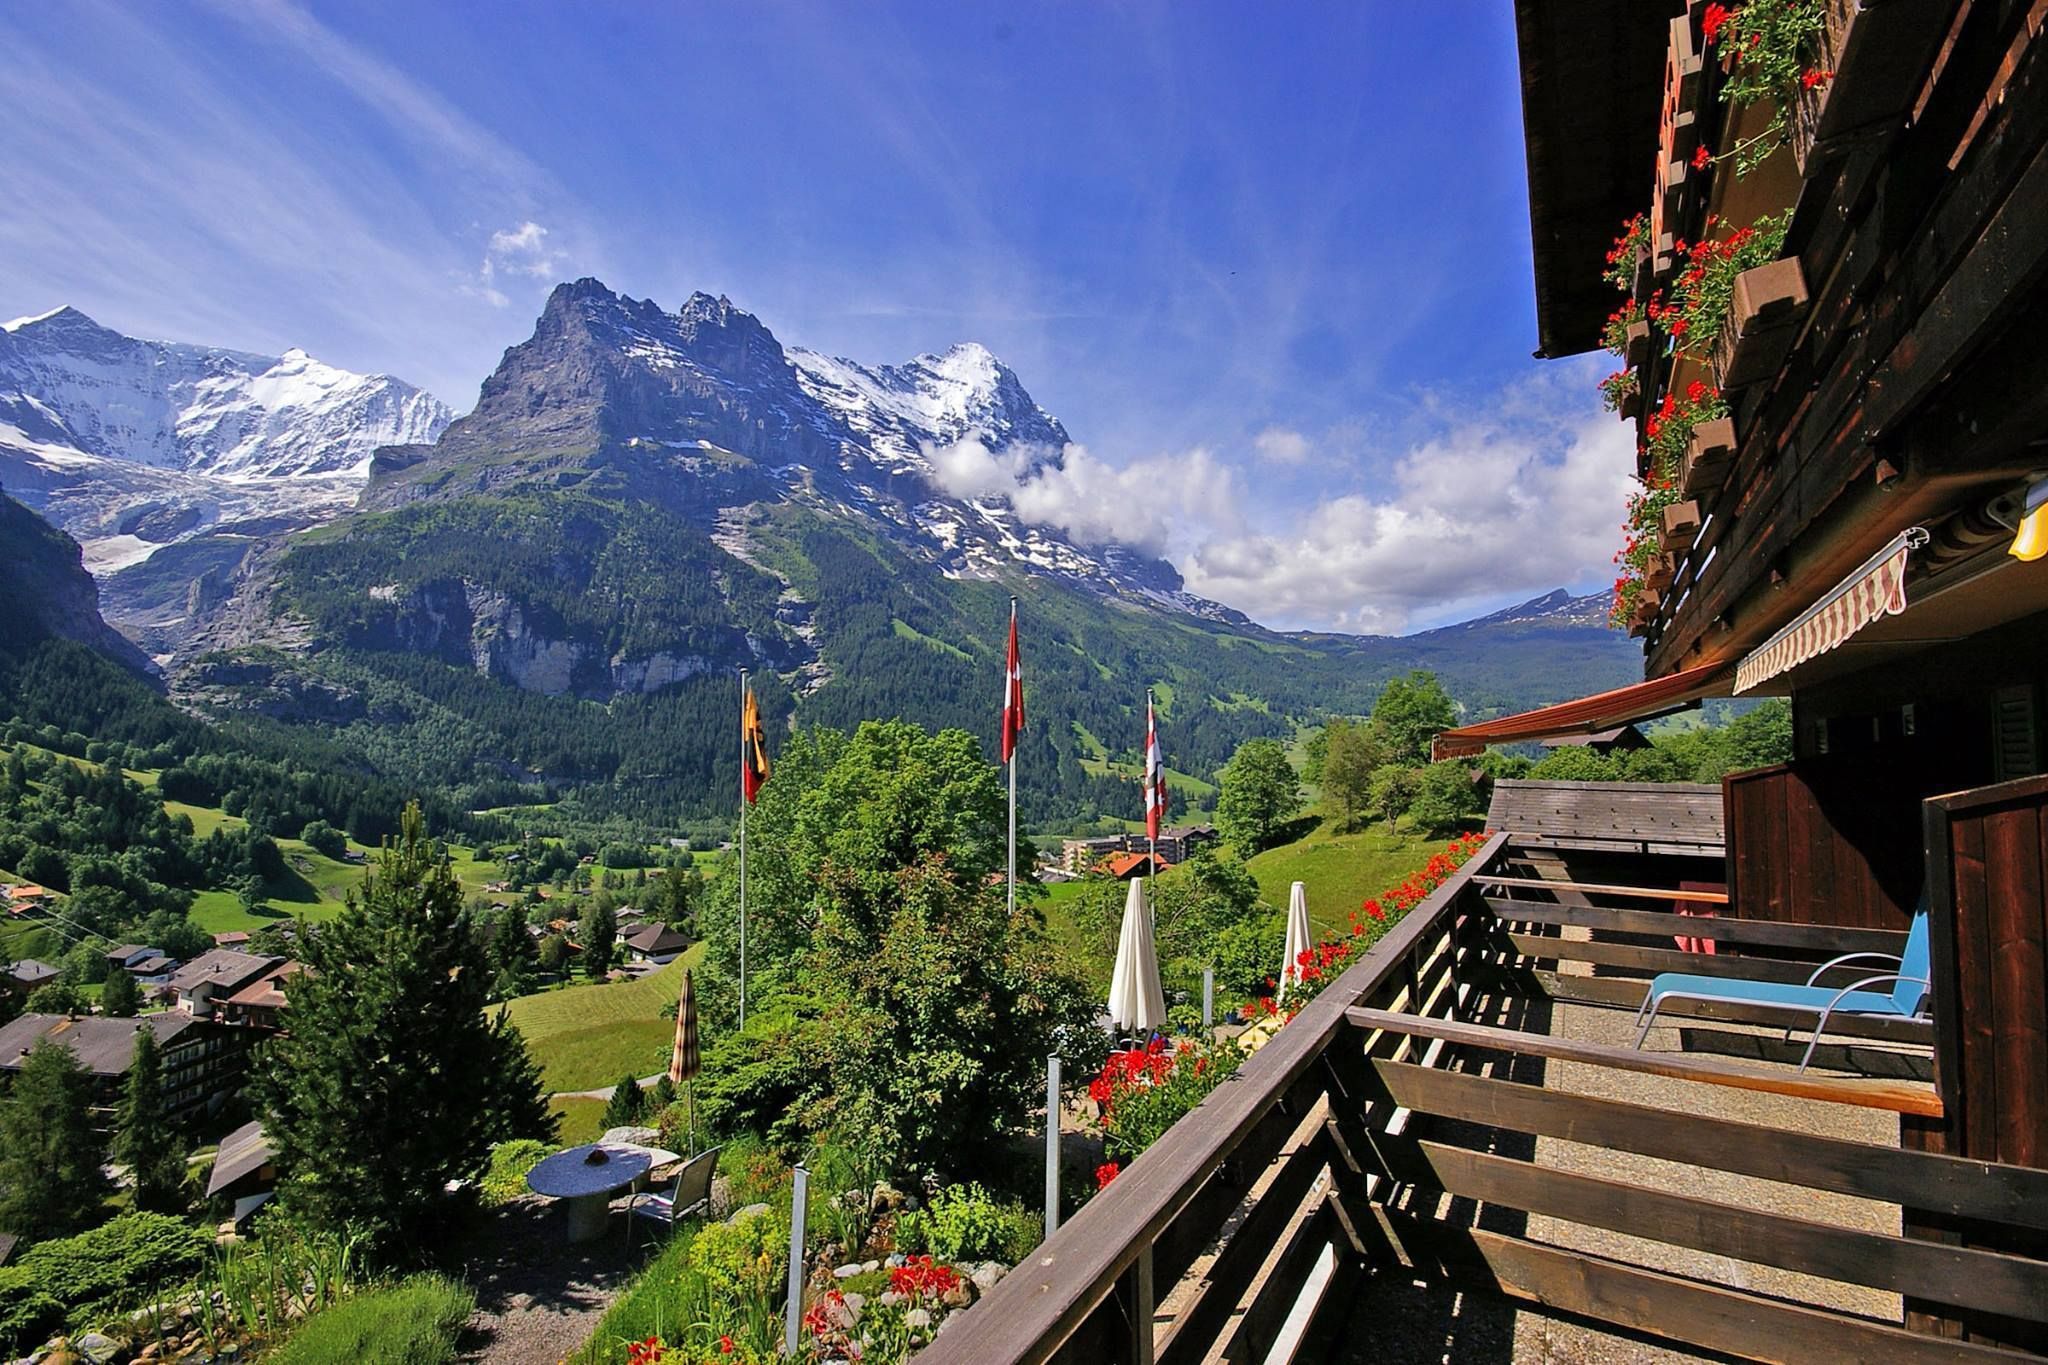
1700, 157
1105, 1173
1716, 17
1816, 76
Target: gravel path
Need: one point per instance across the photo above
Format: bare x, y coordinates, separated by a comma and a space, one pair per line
538, 1297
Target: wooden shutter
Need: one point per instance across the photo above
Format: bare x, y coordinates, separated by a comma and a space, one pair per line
2015, 750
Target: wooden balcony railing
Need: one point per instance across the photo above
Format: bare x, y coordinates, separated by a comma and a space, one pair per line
1090, 1293
1437, 1078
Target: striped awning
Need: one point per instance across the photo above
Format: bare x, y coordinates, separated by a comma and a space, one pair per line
1877, 589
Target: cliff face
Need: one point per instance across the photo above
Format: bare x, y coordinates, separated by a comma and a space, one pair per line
45, 590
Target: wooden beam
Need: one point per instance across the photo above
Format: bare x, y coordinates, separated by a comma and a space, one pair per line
1721, 928
1989, 1281
1653, 893
1671, 1306
1942, 1184
1900, 1097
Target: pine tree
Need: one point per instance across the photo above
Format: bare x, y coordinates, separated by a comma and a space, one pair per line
626, 1105
119, 998
514, 955
146, 1142
392, 1080
600, 929
50, 1181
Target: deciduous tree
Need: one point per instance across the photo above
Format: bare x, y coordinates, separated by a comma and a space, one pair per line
1259, 793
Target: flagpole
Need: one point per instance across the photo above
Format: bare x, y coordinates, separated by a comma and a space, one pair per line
1008, 685
743, 848
1151, 821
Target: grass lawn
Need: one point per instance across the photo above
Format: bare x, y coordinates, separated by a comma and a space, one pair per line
206, 819
1338, 871
582, 1119
589, 1036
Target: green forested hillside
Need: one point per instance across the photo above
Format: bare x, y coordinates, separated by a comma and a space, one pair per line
426, 616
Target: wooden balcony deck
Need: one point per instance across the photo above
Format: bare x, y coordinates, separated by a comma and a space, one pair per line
1453, 1153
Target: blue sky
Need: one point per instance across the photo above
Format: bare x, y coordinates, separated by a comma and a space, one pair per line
1269, 264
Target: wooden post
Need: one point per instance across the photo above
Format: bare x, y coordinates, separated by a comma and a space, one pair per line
1134, 1290
792, 1317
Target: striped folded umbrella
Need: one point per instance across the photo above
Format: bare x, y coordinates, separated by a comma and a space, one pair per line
683, 1061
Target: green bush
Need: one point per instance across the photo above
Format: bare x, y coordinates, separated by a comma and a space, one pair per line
966, 1223
1248, 953
414, 1322
116, 1266
745, 1258
505, 1178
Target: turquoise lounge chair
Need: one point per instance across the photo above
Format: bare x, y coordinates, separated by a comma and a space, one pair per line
1906, 999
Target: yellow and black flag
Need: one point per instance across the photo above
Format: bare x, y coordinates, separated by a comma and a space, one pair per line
753, 749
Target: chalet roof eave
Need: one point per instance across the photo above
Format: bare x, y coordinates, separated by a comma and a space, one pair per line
1592, 81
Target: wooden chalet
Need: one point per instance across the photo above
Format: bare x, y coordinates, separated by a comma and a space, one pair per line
1459, 1150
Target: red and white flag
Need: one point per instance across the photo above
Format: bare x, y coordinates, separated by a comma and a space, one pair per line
1155, 775
1013, 694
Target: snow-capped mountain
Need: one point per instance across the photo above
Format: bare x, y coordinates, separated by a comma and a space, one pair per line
130, 444
664, 401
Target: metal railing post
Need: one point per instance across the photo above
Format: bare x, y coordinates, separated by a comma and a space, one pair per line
793, 1315
1052, 1145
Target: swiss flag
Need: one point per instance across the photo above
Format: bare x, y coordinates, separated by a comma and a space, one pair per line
1013, 694
1155, 775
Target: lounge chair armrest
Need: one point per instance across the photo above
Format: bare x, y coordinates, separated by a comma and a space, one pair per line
1893, 958
1894, 977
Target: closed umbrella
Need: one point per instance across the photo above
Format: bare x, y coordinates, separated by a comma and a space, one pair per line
683, 1061
1297, 937
1135, 1000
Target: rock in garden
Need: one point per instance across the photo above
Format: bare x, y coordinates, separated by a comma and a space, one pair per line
633, 1136
847, 1271
750, 1211
987, 1273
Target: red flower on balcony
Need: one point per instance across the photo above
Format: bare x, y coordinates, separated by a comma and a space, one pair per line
1701, 157
1814, 76
1105, 1173
1715, 19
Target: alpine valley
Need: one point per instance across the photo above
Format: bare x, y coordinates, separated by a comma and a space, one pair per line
547, 600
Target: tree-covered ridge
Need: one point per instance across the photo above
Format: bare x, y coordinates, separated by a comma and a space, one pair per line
625, 577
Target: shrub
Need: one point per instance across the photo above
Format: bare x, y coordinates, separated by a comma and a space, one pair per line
118, 1265
1248, 954
505, 1178
744, 1258
965, 1223
414, 1322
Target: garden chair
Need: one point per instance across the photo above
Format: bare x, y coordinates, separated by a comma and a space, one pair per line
690, 1194
1907, 998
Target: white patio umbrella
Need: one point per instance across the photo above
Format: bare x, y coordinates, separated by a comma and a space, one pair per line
1297, 937
1135, 1000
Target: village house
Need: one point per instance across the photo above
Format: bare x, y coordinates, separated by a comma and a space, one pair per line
261, 1003
203, 1063
202, 983
656, 944
27, 973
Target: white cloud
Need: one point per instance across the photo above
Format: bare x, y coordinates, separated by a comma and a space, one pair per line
1476, 512
1278, 445
522, 250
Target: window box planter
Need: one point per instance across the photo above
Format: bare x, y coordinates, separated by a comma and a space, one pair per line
1877, 50
1708, 457
1638, 348
1671, 185
1681, 524
1763, 318
1661, 571
1645, 613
